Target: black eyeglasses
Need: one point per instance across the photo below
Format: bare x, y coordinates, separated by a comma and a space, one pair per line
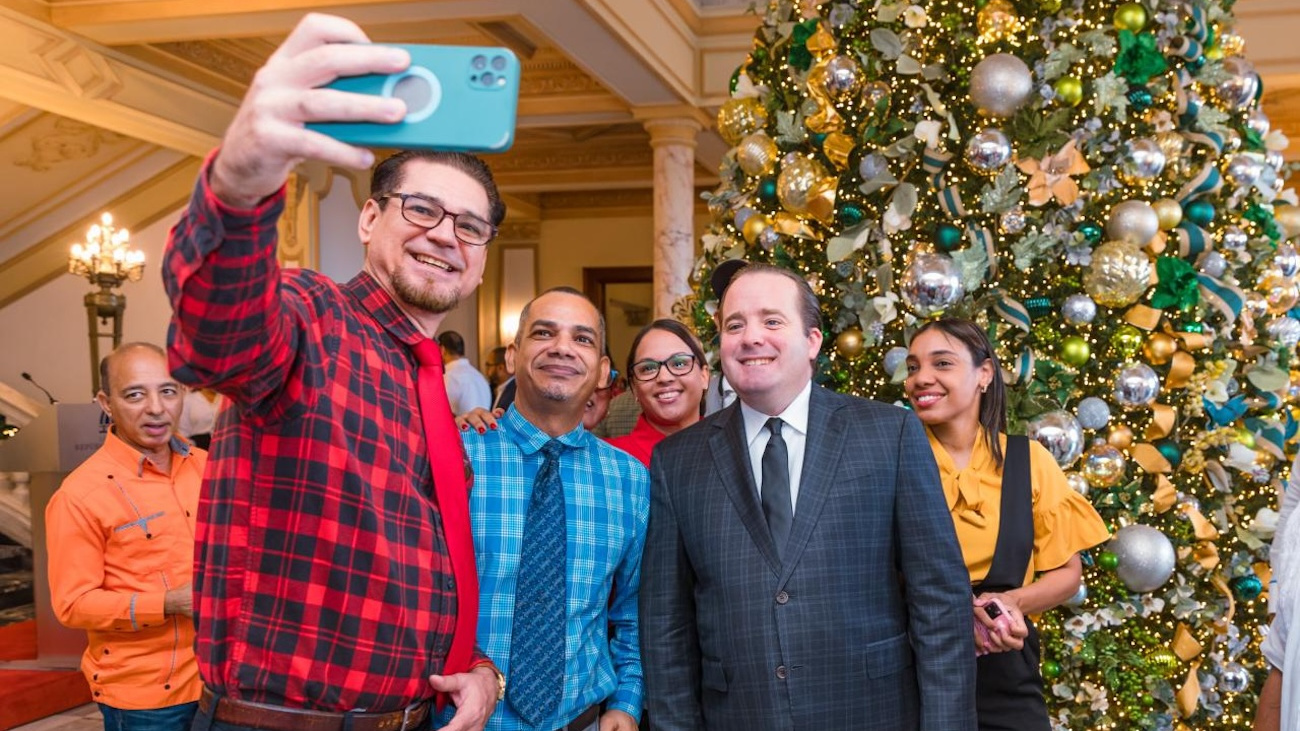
421, 211
678, 365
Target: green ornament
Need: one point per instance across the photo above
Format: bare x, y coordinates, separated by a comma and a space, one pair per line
735, 80
947, 236
1199, 212
1171, 451
1163, 661
1247, 588
1069, 90
1192, 327
767, 190
1038, 306
1140, 98
1196, 64
1091, 232
1050, 6
1126, 340
841, 378
979, 4
1108, 561
1139, 57
818, 138
850, 215
1051, 669
1075, 351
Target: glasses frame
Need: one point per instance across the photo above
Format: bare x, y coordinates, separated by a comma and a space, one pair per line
404, 197
609, 382
662, 364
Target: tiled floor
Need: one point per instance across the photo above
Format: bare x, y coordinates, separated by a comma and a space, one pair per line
81, 718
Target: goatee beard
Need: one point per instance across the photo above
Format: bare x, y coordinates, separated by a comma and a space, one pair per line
426, 298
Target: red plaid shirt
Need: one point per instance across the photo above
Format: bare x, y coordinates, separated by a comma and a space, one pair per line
322, 579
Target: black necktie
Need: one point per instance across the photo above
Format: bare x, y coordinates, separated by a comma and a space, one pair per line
777, 507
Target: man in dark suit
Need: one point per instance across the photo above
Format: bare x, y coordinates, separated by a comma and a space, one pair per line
800, 572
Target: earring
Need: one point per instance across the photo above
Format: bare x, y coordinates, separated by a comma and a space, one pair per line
984, 388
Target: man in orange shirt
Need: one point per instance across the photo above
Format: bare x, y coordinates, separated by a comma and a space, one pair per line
120, 533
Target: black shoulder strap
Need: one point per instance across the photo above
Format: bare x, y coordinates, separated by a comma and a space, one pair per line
1015, 545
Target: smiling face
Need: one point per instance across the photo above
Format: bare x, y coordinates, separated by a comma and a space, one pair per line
558, 358
767, 350
943, 383
143, 400
669, 402
426, 271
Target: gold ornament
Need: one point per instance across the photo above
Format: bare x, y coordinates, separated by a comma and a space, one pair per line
754, 225
1288, 217
850, 343
795, 185
1214, 53
739, 117
1103, 465
1118, 275
997, 21
1163, 661
1069, 90
1279, 291
757, 154
1160, 348
1120, 436
1169, 213
1232, 44
1131, 17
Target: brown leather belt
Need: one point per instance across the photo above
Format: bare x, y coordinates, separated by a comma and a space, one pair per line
582, 722
279, 718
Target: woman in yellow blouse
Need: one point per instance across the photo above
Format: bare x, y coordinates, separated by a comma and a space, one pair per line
1019, 523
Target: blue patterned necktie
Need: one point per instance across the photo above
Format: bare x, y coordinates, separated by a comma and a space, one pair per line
537, 643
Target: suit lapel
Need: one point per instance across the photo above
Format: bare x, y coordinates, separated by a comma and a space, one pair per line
731, 457
822, 450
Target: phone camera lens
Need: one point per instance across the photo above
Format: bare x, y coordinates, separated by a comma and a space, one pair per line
479, 62
488, 78
501, 81
499, 63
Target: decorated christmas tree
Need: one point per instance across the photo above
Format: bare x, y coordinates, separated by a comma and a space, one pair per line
1096, 184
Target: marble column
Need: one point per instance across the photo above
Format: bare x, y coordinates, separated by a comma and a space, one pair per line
673, 140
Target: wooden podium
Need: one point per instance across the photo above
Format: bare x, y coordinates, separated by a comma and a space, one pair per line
52, 445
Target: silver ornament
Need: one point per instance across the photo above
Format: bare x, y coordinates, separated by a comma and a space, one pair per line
1285, 331
1233, 238
1135, 222
1287, 259
894, 359
769, 238
1254, 305
1013, 221
1274, 160
989, 150
743, 215
843, 77
1136, 386
1212, 264
1060, 433
1143, 160
1079, 597
1078, 309
931, 283
1000, 84
1234, 678
1257, 122
1244, 170
1146, 557
1241, 84
1103, 465
1093, 412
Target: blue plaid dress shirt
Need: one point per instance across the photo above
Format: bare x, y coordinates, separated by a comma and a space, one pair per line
607, 496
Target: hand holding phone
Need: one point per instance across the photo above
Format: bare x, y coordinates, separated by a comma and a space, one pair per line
457, 98
1000, 619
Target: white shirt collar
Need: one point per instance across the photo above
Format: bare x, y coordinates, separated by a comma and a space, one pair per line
794, 416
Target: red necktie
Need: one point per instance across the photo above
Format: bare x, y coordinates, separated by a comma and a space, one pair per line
447, 458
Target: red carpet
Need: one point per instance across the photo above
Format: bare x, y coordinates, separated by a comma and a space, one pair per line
30, 695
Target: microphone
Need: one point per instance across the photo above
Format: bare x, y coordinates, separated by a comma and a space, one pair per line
28, 377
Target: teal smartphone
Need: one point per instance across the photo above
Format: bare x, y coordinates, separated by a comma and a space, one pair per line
457, 98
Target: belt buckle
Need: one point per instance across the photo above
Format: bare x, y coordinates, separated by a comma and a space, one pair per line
406, 715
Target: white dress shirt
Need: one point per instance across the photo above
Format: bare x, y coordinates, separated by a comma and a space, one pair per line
794, 431
467, 389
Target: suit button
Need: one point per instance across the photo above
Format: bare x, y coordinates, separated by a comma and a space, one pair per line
782, 597
781, 672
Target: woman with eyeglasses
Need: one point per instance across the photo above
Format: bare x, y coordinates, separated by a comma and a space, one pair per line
668, 375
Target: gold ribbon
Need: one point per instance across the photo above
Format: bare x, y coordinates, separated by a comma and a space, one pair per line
1263, 571
1226, 620
1203, 529
1185, 645
1181, 366
837, 147
1150, 458
1190, 694
1165, 495
1206, 554
1163, 417
1141, 316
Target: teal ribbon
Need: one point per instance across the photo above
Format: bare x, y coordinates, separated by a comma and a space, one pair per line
1023, 366
980, 236
933, 161
1212, 140
950, 202
1207, 181
1192, 240
1009, 309
1268, 436
1223, 297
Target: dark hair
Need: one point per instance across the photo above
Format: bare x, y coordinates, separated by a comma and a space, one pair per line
498, 356
674, 327
523, 314
809, 308
107, 360
993, 401
390, 173
453, 342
